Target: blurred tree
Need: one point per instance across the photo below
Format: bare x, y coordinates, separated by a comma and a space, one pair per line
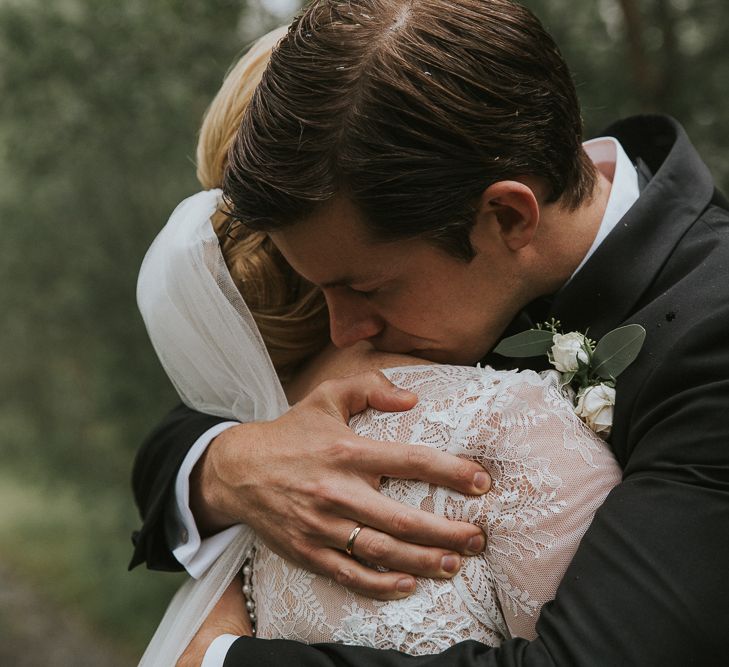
102, 101
637, 56
101, 105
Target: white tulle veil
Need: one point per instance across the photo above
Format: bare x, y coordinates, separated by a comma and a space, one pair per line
211, 349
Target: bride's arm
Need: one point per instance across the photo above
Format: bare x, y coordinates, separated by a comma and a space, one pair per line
551, 474
228, 617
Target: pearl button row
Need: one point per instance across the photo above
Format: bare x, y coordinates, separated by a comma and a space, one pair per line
247, 572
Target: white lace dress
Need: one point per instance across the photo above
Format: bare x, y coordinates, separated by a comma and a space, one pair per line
550, 474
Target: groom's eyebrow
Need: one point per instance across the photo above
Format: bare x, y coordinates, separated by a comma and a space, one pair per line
346, 281
374, 278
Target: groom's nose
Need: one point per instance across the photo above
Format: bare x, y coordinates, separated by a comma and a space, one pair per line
351, 319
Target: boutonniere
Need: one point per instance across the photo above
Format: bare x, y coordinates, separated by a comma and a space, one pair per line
588, 368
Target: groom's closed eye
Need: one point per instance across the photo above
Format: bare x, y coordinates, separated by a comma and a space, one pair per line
368, 289
367, 293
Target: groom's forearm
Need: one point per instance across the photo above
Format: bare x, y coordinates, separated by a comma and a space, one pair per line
266, 653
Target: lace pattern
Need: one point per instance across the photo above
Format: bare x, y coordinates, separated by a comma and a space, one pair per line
550, 474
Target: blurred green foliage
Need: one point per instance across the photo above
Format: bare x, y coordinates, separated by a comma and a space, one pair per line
646, 56
101, 101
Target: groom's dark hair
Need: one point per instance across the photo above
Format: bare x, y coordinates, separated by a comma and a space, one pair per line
411, 109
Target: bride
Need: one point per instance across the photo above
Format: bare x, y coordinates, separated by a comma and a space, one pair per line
242, 336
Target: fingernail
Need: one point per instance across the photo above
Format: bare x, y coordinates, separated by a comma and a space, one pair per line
450, 563
476, 544
482, 481
405, 585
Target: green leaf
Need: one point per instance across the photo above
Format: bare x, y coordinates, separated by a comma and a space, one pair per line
566, 378
530, 343
617, 350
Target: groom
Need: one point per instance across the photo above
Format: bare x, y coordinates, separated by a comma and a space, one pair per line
422, 163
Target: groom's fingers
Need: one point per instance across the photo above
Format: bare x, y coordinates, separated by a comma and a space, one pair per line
358, 578
426, 464
378, 548
417, 527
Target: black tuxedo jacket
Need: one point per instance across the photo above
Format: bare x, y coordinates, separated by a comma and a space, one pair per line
649, 584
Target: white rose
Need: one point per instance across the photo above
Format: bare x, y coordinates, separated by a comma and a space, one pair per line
568, 350
595, 407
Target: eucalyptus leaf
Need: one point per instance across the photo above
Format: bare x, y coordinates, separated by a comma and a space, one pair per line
530, 343
567, 378
617, 350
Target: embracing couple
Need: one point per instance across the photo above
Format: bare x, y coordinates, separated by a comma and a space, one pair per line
392, 188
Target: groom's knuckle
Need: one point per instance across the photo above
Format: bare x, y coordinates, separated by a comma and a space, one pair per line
345, 576
335, 449
300, 548
376, 378
326, 386
326, 389
309, 525
428, 560
463, 472
402, 522
342, 449
328, 493
308, 554
377, 547
320, 492
417, 458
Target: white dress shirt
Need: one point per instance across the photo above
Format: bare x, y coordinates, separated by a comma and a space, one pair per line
612, 160
197, 555
193, 553
215, 655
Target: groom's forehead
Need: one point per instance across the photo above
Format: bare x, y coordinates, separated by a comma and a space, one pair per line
333, 248
331, 262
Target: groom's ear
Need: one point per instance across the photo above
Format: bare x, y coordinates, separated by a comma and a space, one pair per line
511, 209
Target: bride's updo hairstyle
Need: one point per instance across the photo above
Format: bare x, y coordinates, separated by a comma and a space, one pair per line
290, 312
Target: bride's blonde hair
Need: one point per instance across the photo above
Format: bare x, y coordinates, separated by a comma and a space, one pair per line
290, 312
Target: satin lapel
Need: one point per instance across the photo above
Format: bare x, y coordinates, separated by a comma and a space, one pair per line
605, 291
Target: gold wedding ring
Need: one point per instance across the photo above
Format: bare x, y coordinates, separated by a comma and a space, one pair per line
352, 538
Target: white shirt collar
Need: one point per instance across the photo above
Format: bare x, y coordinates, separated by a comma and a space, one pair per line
611, 159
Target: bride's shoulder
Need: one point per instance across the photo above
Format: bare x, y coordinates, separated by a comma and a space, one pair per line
469, 381
333, 363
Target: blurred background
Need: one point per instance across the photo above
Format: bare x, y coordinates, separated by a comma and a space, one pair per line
100, 102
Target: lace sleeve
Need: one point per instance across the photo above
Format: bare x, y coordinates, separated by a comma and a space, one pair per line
550, 473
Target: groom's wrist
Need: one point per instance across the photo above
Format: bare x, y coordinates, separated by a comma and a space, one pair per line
209, 486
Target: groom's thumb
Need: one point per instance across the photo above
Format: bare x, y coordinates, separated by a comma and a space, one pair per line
372, 389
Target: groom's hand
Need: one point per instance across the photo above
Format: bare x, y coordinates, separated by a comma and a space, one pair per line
304, 481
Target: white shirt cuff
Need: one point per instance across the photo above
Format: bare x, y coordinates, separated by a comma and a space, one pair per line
215, 655
193, 553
